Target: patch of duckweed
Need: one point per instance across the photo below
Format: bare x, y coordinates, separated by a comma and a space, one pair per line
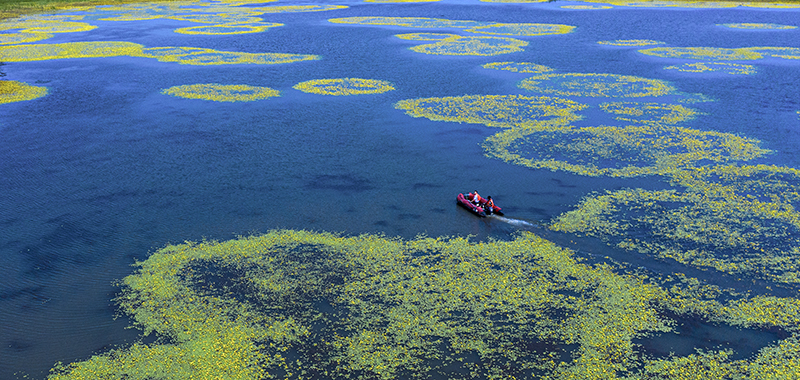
715, 67
221, 93
704, 53
518, 67
38, 25
758, 26
94, 49
596, 85
400, 1
741, 220
649, 113
303, 305
627, 151
14, 91
775, 5
777, 52
523, 29
345, 86
481, 46
631, 42
226, 29
183, 55
586, 7
22, 37
676, 4
222, 12
502, 111
409, 22
426, 36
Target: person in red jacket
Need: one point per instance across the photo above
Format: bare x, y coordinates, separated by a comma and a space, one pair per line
474, 198
488, 206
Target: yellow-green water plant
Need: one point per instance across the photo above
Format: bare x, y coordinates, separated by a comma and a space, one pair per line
518, 67
631, 42
502, 111
345, 86
704, 53
715, 67
228, 29
649, 113
479, 46
617, 151
596, 85
182, 55
758, 26
482, 27
305, 305
14, 91
741, 220
222, 93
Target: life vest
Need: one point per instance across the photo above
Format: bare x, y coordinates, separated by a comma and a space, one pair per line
474, 197
489, 204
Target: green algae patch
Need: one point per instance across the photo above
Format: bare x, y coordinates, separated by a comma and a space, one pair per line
502, 111
631, 42
523, 29
740, 220
649, 113
425, 36
518, 67
22, 38
222, 93
408, 22
596, 85
228, 29
306, 305
182, 55
715, 67
345, 86
479, 46
757, 26
45, 25
13, 91
617, 151
704, 53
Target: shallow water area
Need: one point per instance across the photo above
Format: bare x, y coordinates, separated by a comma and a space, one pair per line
107, 167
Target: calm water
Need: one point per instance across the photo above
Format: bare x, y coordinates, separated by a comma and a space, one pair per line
105, 169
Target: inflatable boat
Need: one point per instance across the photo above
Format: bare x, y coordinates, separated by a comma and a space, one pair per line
478, 209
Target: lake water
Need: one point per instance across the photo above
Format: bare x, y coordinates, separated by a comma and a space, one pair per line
106, 169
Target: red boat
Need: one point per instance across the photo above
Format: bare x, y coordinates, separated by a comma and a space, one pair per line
478, 209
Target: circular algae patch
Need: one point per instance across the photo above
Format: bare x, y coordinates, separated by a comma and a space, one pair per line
480, 46
704, 53
631, 42
21, 37
503, 111
518, 67
523, 29
758, 26
221, 93
628, 151
227, 29
649, 113
715, 67
596, 85
344, 86
13, 91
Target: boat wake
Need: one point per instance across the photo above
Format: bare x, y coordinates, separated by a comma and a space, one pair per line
515, 222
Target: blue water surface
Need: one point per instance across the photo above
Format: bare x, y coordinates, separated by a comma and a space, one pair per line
105, 169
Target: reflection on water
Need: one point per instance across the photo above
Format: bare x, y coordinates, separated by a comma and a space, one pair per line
682, 197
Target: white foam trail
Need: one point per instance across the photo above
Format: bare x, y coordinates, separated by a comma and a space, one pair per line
515, 222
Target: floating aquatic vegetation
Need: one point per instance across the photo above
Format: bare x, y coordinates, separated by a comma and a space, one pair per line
704, 53
720, 67
95, 49
299, 8
183, 55
741, 220
14, 91
222, 93
21, 37
631, 42
758, 26
777, 52
596, 85
426, 36
586, 7
677, 4
627, 151
502, 111
344, 86
303, 305
409, 22
776, 5
46, 26
523, 29
481, 46
225, 29
518, 67
219, 18
649, 113
400, 1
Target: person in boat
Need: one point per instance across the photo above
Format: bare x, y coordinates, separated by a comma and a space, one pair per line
488, 207
474, 198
